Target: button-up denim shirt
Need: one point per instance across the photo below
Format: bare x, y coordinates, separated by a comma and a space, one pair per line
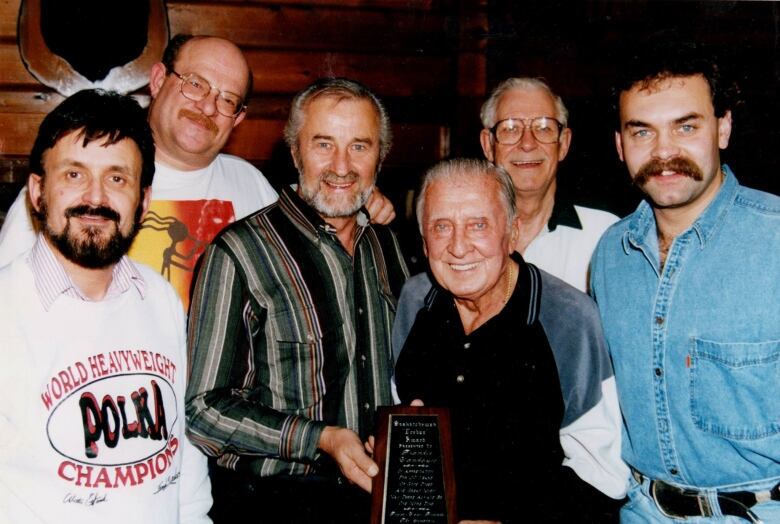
696, 344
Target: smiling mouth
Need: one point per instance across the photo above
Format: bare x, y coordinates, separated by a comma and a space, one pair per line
526, 163
93, 218
95, 223
340, 182
338, 185
463, 267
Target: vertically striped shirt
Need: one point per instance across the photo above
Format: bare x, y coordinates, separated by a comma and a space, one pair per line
52, 281
288, 333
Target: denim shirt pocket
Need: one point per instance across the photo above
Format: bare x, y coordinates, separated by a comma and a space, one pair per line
734, 388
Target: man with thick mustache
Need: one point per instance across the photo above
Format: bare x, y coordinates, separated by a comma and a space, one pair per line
289, 331
198, 97
689, 295
71, 309
199, 94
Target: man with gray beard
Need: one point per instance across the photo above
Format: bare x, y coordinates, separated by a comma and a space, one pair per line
289, 332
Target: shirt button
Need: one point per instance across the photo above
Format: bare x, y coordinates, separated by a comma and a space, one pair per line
467, 345
673, 471
659, 320
460, 379
659, 372
366, 406
310, 337
363, 358
360, 310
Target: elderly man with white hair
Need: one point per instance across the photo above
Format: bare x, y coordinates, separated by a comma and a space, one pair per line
516, 354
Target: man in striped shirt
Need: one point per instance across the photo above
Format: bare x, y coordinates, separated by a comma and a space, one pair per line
290, 326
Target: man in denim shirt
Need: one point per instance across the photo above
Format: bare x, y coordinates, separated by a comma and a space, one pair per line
689, 292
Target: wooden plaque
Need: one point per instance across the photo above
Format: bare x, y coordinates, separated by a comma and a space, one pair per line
416, 480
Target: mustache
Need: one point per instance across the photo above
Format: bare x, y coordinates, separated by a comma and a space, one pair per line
199, 118
679, 165
101, 211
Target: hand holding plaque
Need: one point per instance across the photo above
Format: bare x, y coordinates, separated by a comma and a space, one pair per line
416, 483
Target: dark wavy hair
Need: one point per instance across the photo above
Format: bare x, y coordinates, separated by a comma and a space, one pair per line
649, 64
96, 115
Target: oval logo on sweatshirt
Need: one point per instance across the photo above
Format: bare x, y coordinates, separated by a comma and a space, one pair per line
113, 421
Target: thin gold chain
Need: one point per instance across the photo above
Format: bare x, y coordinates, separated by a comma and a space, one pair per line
509, 276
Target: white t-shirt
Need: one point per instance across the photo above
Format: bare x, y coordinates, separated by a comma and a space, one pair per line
188, 209
93, 408
566, 251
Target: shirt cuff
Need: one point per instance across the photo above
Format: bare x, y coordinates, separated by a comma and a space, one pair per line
299, 439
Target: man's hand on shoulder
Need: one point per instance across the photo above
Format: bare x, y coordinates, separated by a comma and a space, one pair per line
380, 208
346, 449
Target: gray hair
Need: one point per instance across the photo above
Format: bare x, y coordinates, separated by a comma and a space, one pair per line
488, 112
342, 88
460, 168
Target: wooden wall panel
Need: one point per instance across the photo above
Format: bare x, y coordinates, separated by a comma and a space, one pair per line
14, 74
420, 56
17, 132
9, 12
29, 101
320, 28
289, 72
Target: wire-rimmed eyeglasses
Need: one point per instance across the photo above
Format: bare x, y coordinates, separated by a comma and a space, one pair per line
196, 88
545, 129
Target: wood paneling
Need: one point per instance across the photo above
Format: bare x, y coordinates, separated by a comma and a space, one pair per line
288, 72
12, 70
17, 132
318, 28
422, 57
9, 12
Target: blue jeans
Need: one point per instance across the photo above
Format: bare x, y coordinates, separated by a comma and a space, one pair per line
641, 509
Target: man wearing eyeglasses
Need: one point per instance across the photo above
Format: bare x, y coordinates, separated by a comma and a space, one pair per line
525, 132
199, 92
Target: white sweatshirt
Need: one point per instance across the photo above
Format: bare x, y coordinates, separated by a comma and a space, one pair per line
92, 410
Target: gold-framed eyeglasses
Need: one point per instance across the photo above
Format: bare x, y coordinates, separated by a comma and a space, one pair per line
545, 129
196, 88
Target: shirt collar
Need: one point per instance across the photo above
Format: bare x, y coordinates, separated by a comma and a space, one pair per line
51, 279
308, 217
642, 227
563, 214
525, 299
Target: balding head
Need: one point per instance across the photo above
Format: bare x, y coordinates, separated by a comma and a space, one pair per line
190, 133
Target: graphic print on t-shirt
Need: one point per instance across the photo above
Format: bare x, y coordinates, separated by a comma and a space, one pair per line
173, 235
112, 420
